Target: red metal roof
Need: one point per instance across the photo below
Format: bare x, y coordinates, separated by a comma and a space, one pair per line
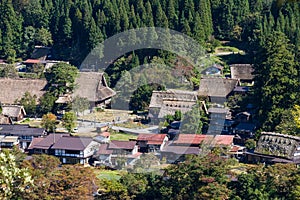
152, 138
32, 61
105, 134
223, 140
194, 139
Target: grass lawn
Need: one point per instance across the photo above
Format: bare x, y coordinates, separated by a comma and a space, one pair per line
31, 123
121, 136
108, 174
227, 49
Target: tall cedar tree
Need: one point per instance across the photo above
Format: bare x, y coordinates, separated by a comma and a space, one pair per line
276, 80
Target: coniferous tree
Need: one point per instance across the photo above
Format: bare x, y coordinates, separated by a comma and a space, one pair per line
276, 80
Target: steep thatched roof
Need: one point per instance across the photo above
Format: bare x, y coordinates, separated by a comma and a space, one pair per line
13, 110
93, 86
279, 145
242, 71
169, 107
167, 102
216, 87
5, 120
158, 97
12, 89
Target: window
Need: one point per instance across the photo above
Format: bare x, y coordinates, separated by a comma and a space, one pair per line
72, 152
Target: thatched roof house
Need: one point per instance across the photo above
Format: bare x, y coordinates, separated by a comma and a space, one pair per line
93, 86
217, 89
5, 120
12, 89
167, 102
15, 112
242, 72
275, 147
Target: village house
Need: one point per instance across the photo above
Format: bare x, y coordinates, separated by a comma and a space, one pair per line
43, 145
8, 141
24, 133
151, 142
193, 140
275, 148
13, 89
243, 73
214, 70
5, 119
73, 150
115, 152
103, 138
93, 86
217, 89
15, 112
167, 102
174, 154
217, 120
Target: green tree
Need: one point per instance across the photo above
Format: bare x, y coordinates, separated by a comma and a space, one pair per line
9, 71
43, 37
289, 123
47, 103
29, 102
61, 78
193, 120
276, 80
49, 122
141, 97
80, 104
250, 144
14, 180
69, 121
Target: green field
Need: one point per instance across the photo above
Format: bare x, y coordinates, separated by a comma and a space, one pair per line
108, 174
121, 136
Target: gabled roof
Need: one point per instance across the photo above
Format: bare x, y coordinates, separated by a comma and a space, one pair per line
12, 89
5, 120
226, 140
9, 139
218, 110
13, 110
125, 145
242, 71
181, 150
21, 130
158, 97
170, 107
189, 139
216, 87
47, 142
31, 61
276, 144
103, 150
72, 143
40, 52
93, 86
155, 139
34, 141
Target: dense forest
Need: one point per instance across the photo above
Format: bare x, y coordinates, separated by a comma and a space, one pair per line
260, 28
75, 27
199, 177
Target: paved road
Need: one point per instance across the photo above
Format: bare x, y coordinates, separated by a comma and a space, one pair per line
152, 129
